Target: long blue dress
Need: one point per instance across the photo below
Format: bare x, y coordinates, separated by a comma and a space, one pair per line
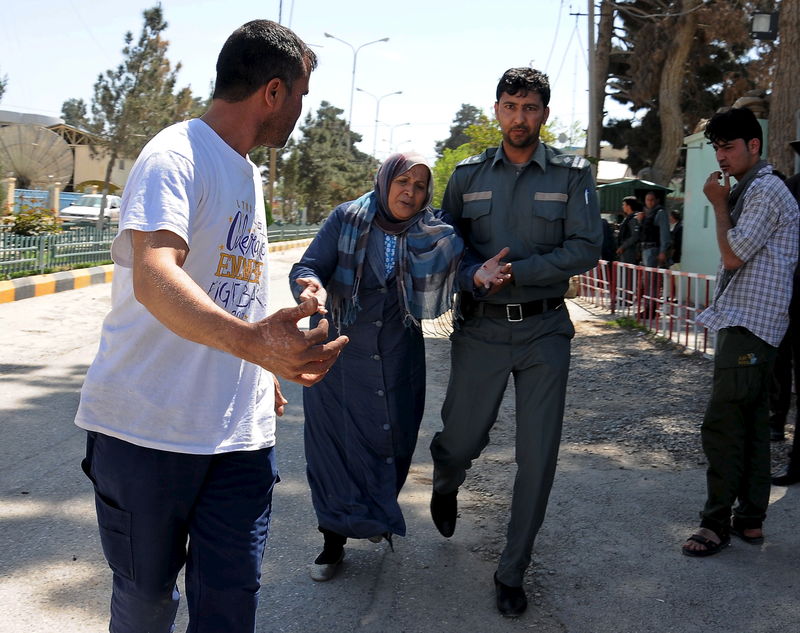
362, 419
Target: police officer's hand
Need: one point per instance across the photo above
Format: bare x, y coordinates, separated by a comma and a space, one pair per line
493, 272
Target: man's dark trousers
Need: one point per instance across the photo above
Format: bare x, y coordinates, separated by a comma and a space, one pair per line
484, 353
151, 502
735, 432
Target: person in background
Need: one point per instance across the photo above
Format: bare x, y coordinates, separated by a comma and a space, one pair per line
787, 361
757, 234
676, 240
628, 235
608, 251
654, 232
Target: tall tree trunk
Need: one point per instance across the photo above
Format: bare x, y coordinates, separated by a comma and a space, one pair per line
602, 61
785, 100
669, 94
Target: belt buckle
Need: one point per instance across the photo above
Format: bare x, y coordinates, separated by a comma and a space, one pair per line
518, 307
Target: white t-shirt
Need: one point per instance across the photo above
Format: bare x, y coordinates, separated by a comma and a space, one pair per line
147, 385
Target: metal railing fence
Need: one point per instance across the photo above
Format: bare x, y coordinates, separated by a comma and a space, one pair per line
666, 302
86, 244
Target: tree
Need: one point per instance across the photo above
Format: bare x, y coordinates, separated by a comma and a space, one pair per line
333, 170
288, 186
602, 62
135, 100
784, 105
467, 115
3, 84
669, 90
74, 112
681, 60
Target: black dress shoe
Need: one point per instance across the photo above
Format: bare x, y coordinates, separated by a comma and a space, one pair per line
788, 478
511, 601
444, 510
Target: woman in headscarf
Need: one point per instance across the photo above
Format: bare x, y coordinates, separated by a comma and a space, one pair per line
378, 266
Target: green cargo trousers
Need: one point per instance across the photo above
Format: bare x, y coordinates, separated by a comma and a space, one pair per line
735, 432
485, 352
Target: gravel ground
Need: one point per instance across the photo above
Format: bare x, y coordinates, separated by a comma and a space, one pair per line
628, 489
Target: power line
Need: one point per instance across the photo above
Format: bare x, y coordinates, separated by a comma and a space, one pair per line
555, 36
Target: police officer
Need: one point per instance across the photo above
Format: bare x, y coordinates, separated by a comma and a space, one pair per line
542, 206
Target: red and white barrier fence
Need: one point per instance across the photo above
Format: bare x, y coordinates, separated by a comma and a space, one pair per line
666, 302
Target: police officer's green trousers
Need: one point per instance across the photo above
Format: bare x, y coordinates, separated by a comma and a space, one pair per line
735, 432
485, 351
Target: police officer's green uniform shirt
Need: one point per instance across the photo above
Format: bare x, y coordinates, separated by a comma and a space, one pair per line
545, 211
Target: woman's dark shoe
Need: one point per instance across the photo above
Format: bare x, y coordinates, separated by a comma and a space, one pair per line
327, 563
511, 601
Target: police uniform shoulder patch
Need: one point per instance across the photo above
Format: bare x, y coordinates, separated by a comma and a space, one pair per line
478, 158
570, 161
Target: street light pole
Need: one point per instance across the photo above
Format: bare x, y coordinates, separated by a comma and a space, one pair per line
391, 136
377, 111
355, 56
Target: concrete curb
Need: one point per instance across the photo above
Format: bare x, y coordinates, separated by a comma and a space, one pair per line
39, 285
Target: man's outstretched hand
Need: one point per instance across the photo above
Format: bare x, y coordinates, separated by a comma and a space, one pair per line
294, 354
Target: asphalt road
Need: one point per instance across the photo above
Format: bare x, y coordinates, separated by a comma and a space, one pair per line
607, 557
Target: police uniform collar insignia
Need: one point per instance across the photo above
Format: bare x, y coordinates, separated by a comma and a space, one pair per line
569, 160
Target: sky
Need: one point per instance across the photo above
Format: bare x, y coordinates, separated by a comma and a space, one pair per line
440, 54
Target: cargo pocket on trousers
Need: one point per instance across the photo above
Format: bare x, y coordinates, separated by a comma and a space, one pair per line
115, 537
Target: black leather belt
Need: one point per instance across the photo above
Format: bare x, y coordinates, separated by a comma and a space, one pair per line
509, 311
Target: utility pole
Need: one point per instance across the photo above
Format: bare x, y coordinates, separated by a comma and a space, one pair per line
592, 137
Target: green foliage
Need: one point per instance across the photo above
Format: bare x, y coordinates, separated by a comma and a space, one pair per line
33, 221
444, 167
324, 168
467, 115
481, 134
724, 63
135, 100
3, 84
75, 113
268, 211
628, 323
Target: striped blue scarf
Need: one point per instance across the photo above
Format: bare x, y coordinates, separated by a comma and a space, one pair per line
428, 253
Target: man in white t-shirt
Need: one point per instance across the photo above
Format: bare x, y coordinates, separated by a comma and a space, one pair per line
180, 402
